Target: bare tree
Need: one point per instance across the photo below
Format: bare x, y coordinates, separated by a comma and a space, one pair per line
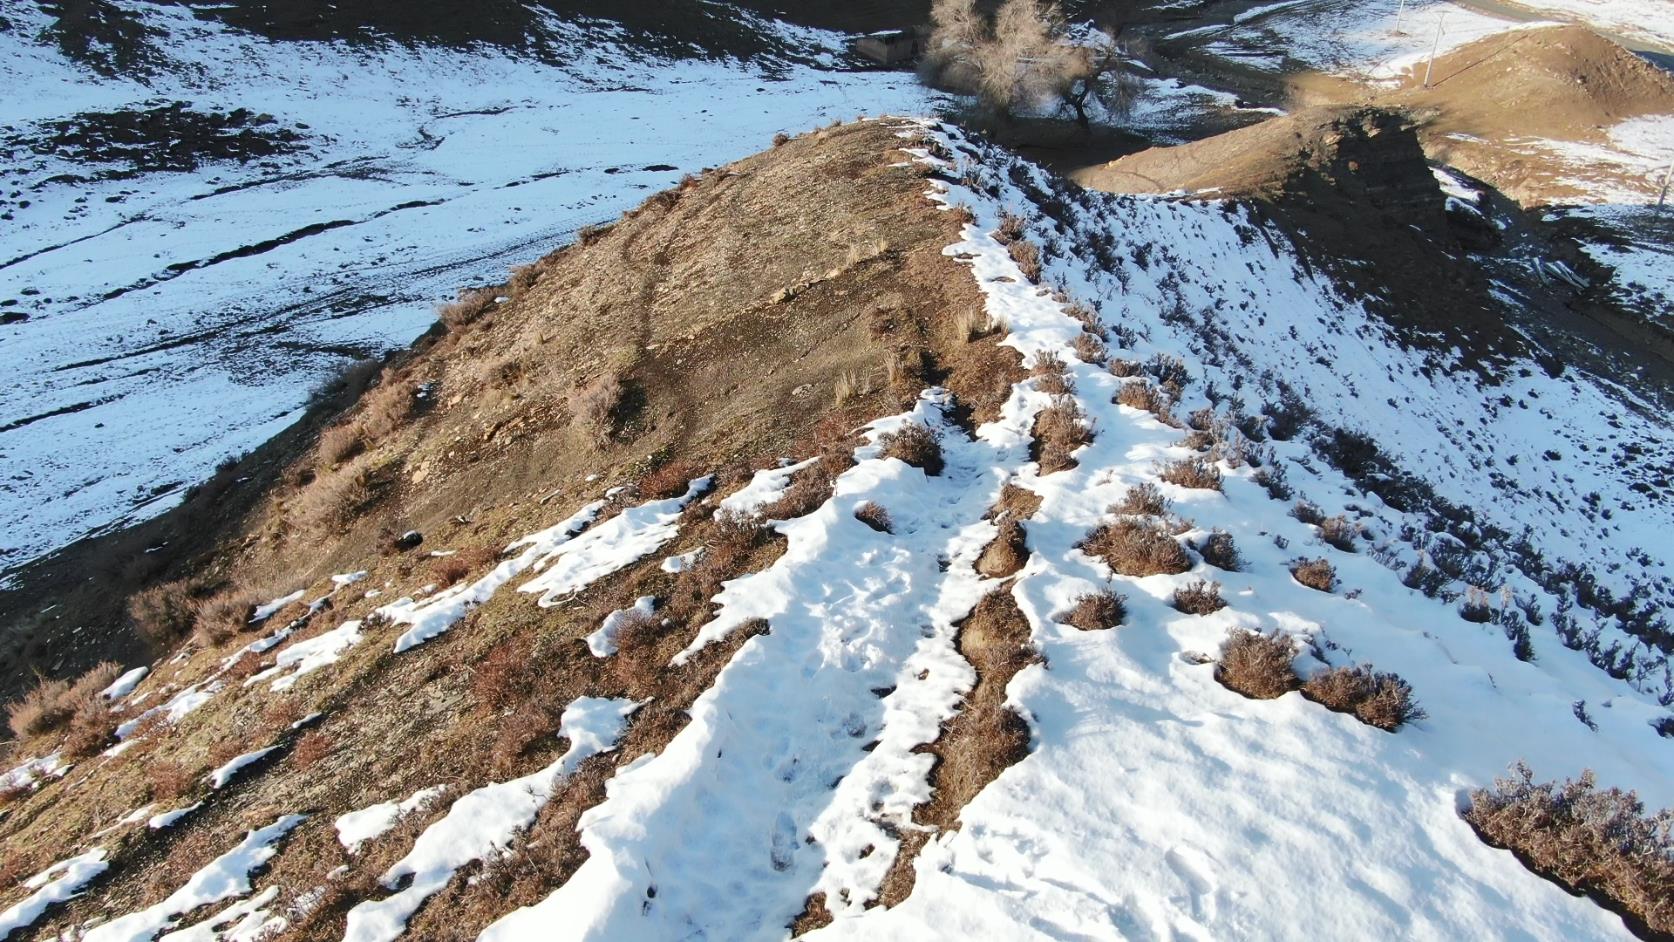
1095, 74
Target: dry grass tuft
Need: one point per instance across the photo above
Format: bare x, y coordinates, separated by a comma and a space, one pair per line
1193, 472
1142, 499
1340, 532
1376, 699
162, 615
915, 444
223, 617
597, 406
1006, 553
340, 443
1137, 548
1201, 597
1219, 550
1598, 842
874, 516
1051, 374
312, 747
1257, 665
974, 323
500, 680
1096, 611
1122, 369
1027, 256
1091, 349
1145, 396
1012, 227
472, 304
1059, 430
1315, 573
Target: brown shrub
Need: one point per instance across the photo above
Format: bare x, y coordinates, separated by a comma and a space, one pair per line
340, 443
1051, 374
92, 728
781, 139
1257, 665
1059, 430
162, 615
1146, 499
247, 665
1218, 550
874, 516
1199, 598
517, 734
13, 870
1006, 553
915, 444
45, 709
331, 504
1090, 349
1027, 256
1089, 320
1012, 227
498, 680
1122, 369
1376, 699
311, 748
471, 305
168, 780
1096, 611
1191, 472
597, 405
281, 714
733, 534
1307, 512
1339, 531
1315, 573
1143, 395
222, 617
809, 488
587, 235
1598, 842
669, 479
1137, 548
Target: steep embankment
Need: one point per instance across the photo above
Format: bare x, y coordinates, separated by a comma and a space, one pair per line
954, 672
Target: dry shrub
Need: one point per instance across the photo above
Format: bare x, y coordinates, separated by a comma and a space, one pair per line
499, 680
1307, 512
281, 714
1191, 472
517, 735
1090, 349
1146, 499
43, 710
1598, 842
1219, 550
13, 869
780, 139
1137, 548
1027, 256
162, 615
808, 489
1376, 699
385, 409
332, 502
471, 305
1143, 395
92, 728
669, 479
914, 444
247, 665
973, 323
1089, 320
1122, 369
1339, 531
1012, 227
1170, 371
311, 748
733, 534
340, 443
1051, 374
874, 516
1059, 430
1315, 573
1006, 553
168, 780
597, 405
1257, 665
447, 570
1201, 597
222, 617
1096, 611
587, 235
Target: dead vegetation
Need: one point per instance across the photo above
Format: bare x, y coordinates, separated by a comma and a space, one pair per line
1191, 472
162, 615
1143, 499
1257, 665
1339, 532
1059, 430
56, 705
1316, 574
1599, 842
447, 570
1200, 597
874, 516
224, 616
1028, 258
1219, 550
597, 406
1097, 610
915, 444
1051, 374
1006, 553
1375, 698
1137, 548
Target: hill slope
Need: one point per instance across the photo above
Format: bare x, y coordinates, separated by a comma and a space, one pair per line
890, 711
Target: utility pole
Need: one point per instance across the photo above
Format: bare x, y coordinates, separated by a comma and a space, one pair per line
1400, 12
1433, 48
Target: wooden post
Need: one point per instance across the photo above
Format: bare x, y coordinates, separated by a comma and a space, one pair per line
1400, 12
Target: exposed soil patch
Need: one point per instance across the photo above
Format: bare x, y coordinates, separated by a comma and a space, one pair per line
171, 136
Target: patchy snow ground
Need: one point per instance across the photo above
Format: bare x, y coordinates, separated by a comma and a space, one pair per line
1639, 246
57, 883
179, 318
1647, 21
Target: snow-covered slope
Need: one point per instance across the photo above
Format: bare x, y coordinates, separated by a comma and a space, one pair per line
176, 318
1153, 802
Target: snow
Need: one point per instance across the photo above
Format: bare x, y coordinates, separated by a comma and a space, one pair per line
1457, 193
169, 819
225, 877
219, 778
436, 615
682, 562
764, 487
626, 538
1646, 21
305, 657
484, 822
602, 642
244, 921
176, 709
56, 884
265, 611
30, 773
1626, 167
133, 378
1643, 263
357, 827
125, 684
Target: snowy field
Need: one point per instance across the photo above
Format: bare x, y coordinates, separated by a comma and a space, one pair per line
176, 319
1647, 21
